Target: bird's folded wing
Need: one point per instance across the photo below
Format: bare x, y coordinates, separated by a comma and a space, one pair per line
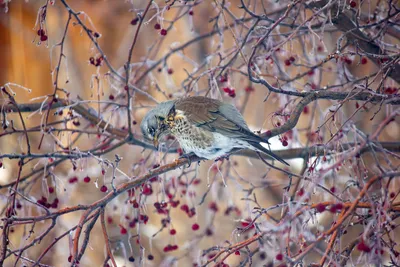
215, 116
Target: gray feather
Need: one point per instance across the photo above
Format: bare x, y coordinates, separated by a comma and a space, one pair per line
232, 113
150, 120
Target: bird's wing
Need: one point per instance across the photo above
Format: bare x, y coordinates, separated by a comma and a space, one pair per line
215, 116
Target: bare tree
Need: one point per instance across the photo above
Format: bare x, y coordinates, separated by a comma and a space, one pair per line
318, 79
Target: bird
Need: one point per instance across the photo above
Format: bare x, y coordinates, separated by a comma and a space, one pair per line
203, 126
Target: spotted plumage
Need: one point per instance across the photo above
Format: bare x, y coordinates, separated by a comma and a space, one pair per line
206, 127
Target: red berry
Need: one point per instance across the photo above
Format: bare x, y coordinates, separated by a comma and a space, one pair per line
172, 232
170, 71
223, 79
73, 180
191, 212
279, 257
213, 206
237, 252
287, 62
157, 26
320, 207
249, 89
363, 247
191, 12
209, 232
292, 59
185, 208
227, 90
41, 32
43, 38
336, 207
147, 190
111, 97
300, 193
54, 205
163, 32
195, 227
134, 21
333, 189
364, 60
86, 179
285, 143
174, 204
51, 189
103, 189
123, 230
353, 4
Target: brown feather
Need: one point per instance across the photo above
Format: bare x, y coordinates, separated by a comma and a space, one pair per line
212, 115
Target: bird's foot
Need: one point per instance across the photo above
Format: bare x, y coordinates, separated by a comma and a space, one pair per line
222, 158
187, 156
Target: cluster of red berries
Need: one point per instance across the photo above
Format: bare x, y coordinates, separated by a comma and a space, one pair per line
336, 207
230, 91
161, 207
73, 180
284, 140
363, 247
390, 90
346, 60
96, 61
289, 61
157, 27
190, 212
44, 202
42, 34
169, 248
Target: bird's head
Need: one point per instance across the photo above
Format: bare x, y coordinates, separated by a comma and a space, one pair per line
154, 125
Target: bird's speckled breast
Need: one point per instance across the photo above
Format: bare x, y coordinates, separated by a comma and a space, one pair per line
189, 136
203, 143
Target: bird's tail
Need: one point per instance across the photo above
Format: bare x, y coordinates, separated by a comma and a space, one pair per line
268, 152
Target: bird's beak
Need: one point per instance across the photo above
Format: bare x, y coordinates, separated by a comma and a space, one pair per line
156, 138
155, 142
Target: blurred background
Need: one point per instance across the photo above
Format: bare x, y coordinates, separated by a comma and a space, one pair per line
223, 193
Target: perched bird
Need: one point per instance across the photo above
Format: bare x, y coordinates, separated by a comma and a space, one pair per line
203, 126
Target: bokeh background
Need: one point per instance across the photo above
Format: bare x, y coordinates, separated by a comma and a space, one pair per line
27, 62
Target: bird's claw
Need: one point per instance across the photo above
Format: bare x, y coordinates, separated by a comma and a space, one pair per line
187, 156
222, 157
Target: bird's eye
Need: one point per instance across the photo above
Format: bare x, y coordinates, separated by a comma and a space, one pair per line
151, 130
